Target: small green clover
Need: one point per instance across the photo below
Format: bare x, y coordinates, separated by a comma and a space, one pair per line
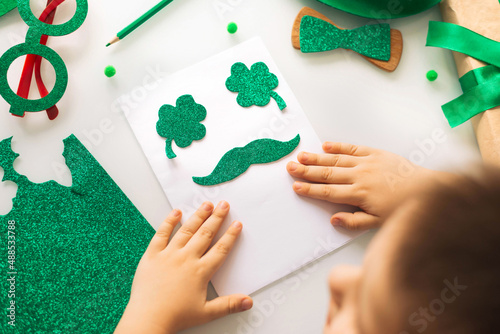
254, 86
181, 123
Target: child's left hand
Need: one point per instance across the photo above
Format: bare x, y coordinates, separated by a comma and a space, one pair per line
373, 180
170, 285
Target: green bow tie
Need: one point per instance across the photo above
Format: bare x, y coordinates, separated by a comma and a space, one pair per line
373, 41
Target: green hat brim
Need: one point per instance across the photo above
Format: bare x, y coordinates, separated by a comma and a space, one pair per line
382, 9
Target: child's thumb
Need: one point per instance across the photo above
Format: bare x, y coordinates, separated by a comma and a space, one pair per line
222, 306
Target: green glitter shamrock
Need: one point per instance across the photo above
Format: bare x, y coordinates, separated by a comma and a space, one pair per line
181, 123
254, 86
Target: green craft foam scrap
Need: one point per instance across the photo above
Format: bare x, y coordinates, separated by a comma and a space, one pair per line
6, 6
76, 248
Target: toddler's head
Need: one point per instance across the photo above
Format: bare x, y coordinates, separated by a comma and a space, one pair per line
433, 268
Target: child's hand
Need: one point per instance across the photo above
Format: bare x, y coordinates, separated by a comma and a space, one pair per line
370, 179
170, 285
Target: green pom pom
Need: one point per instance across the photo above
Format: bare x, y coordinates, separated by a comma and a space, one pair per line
232, 28
110, 71
432, 75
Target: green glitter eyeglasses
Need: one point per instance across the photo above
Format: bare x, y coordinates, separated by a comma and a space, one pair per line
32, 46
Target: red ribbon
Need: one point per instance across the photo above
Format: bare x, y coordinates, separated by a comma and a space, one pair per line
33, 62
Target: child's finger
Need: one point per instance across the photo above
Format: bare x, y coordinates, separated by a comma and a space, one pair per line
202, 239
356, 221
321, 174
222, 306
192, 225
336, 193
348, 149
330, 160
160, 239
216, 256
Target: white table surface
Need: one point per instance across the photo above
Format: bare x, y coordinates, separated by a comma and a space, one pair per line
345, 97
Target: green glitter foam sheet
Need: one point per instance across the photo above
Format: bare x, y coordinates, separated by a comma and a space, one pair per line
76, 248
6, 6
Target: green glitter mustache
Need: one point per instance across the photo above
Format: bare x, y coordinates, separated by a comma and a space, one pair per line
239, 159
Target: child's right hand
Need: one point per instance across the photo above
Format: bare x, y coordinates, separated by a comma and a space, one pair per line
373, 180
169, 292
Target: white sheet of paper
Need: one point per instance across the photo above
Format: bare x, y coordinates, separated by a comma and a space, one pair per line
282, 231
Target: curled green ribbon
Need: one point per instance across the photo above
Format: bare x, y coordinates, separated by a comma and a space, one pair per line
481, 86
373, 40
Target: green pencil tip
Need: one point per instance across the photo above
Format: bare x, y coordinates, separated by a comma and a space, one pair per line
108, 44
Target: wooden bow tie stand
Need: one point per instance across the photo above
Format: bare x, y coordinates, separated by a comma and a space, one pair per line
396, 40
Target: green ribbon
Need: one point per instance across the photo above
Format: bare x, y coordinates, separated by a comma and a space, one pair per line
457, 38
317, 35
481, 93
481, 86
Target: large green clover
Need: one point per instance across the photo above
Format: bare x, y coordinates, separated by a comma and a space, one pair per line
254, 86
181, 123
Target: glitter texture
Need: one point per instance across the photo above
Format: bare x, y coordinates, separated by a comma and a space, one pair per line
76, 248
181, 123
239, 159
18, 104
6, 6
373, 40
254, 86
39, 28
